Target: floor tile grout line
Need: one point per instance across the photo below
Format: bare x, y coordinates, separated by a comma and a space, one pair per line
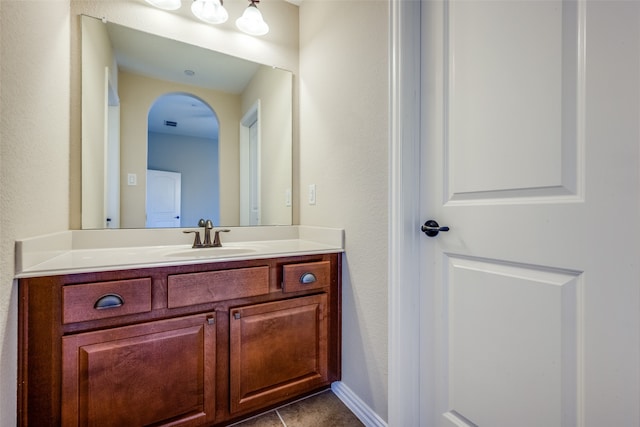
281, 407
281, 419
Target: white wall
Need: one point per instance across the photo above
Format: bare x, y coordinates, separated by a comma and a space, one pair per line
34, 151
344, 126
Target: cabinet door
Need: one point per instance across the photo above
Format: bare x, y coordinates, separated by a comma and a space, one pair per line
159, 373
278, 350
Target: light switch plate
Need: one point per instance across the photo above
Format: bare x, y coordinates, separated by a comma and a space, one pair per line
287, 197
132, 179
312, 194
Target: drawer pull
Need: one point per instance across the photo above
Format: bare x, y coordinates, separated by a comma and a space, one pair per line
108, 301
307, 278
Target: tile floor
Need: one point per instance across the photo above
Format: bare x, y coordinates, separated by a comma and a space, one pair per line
320, 410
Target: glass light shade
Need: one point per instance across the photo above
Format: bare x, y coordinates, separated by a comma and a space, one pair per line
165, 4
210, 11
251, 22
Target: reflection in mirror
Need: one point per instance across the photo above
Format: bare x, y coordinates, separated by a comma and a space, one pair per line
134, 82
182, 162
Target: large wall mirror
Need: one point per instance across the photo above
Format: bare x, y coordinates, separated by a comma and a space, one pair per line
173, 132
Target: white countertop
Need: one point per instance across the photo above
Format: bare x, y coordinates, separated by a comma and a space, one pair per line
81, 251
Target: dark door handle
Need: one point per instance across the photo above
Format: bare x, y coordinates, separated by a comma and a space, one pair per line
431, 228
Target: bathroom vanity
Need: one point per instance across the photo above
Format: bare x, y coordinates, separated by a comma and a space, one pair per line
201, 341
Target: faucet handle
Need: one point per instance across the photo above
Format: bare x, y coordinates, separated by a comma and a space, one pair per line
197, 243
216, 237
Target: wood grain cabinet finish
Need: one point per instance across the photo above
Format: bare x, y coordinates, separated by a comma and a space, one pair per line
278, 349
160, 373
211, 286
91, 301
306, 276
189, 345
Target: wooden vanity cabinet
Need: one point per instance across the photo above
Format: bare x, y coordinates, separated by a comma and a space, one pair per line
278, 350
158, 373
190, 345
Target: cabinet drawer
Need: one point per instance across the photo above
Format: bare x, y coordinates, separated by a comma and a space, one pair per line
211, 286
310, 275
92, 301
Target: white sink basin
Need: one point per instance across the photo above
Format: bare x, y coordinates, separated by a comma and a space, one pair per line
211, 252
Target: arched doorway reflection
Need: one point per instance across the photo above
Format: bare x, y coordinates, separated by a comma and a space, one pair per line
182, 144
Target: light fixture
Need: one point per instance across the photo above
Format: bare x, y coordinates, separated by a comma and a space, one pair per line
213, 12
210, 11
165, 4
251, 21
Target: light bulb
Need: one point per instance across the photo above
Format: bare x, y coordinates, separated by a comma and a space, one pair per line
211, 11
165, 4
251, 22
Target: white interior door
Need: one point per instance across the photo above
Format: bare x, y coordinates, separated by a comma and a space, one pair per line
530, 155
163, 199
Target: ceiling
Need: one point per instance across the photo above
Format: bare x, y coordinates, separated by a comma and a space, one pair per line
191, 116
166, 59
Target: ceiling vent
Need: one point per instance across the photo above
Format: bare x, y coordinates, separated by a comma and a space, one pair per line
170, 123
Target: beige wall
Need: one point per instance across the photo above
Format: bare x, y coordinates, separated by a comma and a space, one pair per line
96, 56
137, 95
34, 151
344, 126
40, 123
273, 89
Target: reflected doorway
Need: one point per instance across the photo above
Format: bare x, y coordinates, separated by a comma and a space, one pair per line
250, 213
163, 199
183, 133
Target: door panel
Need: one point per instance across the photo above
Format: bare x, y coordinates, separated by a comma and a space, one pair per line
164, 200
517, 116
513, 327
277, 350
530, 141
157, 373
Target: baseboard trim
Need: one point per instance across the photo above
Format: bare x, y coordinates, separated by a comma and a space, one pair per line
361, 410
